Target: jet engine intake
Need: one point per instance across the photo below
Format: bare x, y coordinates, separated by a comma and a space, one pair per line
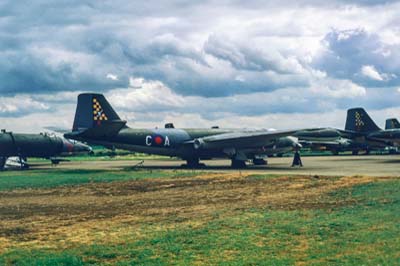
198, 144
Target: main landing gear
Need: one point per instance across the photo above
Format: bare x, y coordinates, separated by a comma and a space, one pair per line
193, 163
23, 162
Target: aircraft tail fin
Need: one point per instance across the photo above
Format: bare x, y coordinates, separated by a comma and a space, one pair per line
358, 120
392, 123
95, 117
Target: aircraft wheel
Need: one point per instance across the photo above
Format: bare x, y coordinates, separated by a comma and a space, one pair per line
238, 164
354, 152
193, 163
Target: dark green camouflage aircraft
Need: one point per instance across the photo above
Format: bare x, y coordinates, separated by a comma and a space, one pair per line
360, 133
37, 145
96, 122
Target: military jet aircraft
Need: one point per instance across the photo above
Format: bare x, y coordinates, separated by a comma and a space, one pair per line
37, 145
360, 133
96, 122
392, 123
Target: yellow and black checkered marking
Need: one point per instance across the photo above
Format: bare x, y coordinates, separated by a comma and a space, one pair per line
359, 122
98, 113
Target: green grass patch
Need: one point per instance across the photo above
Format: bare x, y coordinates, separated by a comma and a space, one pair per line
67, 177
365, 232
107, 156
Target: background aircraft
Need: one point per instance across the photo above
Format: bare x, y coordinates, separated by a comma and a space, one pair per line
360, 133
37, 145
96, 122
392, 123
389, 136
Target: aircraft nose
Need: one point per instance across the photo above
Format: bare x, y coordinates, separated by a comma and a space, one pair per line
298, 145
295, 143
89, 149
76, 147
68, 147
80, 147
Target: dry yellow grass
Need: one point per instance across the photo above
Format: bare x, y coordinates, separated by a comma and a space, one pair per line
108, 212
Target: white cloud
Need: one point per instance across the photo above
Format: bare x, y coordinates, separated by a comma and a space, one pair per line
145, 95
61, 117
112, 76
20, 104
217, 62
337, 88
372, 73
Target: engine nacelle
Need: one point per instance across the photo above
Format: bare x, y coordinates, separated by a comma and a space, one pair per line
198, 144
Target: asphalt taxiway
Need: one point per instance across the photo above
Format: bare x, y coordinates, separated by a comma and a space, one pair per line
372, 165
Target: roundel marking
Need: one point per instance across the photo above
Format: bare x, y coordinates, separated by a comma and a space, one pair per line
158, 140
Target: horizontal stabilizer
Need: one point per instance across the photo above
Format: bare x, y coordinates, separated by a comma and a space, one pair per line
105, 129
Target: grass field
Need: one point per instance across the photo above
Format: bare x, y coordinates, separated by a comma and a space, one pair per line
101, 217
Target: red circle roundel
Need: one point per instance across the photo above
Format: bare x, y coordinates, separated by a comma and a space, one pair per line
158, 140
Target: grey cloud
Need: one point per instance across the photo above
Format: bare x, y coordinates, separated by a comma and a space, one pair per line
183, 44
131, 39
246, 58
348, 51
24, 72
261, 3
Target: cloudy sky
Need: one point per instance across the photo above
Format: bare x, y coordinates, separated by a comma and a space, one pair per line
266, 64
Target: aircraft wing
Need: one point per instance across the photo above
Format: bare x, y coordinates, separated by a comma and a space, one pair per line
57, 129
105, 129
240, 139
388, 135
321, 142
338, 142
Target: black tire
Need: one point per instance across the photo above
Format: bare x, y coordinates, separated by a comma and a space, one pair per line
259, 162
193, 163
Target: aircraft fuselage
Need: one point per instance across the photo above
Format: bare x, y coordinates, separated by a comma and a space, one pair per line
180, 143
